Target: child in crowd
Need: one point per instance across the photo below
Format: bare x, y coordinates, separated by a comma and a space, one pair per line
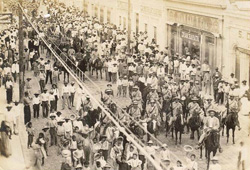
30, 130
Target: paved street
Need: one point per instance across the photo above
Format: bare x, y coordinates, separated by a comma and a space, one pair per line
228, 158
183, 61
16, 160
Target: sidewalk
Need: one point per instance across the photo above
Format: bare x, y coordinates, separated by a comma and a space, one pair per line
16, 160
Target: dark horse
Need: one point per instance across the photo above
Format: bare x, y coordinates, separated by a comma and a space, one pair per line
211, 145
96, 65
231, 122
136, 130
177, 127
194, 124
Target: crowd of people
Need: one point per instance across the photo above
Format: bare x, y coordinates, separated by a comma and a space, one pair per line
165, 88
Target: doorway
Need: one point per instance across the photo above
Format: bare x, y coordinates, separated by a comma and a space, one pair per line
242, 69
137, 23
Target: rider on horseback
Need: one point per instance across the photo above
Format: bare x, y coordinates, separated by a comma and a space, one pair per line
137, 96
211, 124
233, 108
107, 97
194, 108
176, 110
135, 111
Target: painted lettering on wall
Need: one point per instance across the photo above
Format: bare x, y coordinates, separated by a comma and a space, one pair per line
197, 21
151, 11
190, 36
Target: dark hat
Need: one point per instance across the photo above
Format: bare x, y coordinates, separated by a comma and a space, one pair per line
28, 79
16, 102
60, 121
9, 107
103, 136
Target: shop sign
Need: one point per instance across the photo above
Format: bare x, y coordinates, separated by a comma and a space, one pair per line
196, 21
190, 36
151, 11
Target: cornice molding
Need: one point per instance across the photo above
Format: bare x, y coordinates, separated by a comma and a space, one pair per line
199, 3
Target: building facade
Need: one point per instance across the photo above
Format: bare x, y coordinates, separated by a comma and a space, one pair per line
215, 31
236, 51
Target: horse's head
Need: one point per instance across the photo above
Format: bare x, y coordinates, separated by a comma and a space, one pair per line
232, 119
212, 140
113, 107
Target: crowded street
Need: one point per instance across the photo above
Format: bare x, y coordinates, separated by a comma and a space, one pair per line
82, 90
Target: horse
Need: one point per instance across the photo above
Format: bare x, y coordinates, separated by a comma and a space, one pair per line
92, 116
211, 145
231, 122
177, 127
153, 128
194, 123
96, 65
136, 130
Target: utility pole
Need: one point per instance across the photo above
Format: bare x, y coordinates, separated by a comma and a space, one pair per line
84, 8
21, 60
129, 26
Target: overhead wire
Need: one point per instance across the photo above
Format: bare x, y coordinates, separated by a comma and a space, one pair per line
121, 129
125, 112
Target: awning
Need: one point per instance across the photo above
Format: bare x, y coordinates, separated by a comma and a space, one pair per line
243, 50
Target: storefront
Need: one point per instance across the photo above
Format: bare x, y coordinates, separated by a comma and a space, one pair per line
192, 34
240, 58
242, 64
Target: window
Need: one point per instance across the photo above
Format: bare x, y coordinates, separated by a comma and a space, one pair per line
108, 16
137, 23
155, 34
146, 27
101, 15
124, 23
120, 20
96, 12
85, 9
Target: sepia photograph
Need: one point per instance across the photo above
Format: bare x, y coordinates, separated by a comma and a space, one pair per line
124, 84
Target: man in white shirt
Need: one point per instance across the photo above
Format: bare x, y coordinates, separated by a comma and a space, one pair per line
211, 123
15, 70
65, 95
45, 103
36, 105
68, 127
72, 90
9, 90
215, 165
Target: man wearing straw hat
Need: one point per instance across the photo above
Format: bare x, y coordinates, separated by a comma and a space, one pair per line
136, 96
211, 123
65, 92
36, 105
215, 164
